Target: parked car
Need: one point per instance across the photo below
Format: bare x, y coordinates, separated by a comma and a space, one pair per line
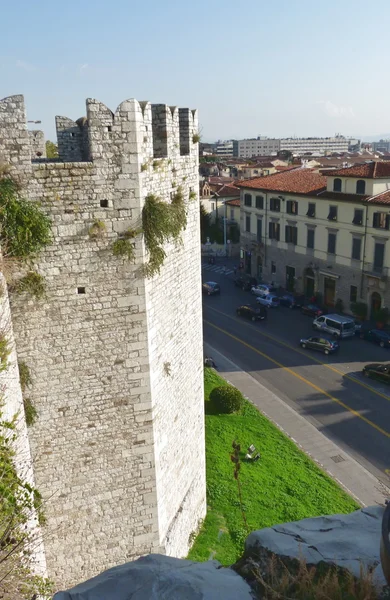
377, 371
268, 300
312, 310
254, 313
211, 288
378, 336
263, 289
292, 300
336, 325
322, 344
245, 282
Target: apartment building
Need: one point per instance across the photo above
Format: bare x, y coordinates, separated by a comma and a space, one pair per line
263, 146
260, 146
317, 232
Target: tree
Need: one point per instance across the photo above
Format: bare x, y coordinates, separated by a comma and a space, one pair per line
51, 149
204, 223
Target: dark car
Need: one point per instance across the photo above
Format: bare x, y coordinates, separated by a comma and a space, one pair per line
254, 313
245, 282
211, 288
322, 344
292, 300
312, 310
378, 336
377, 371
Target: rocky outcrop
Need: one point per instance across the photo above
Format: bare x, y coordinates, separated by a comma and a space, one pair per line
157, 577
349, 541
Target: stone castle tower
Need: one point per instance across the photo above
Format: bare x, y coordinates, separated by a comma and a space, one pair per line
116, 358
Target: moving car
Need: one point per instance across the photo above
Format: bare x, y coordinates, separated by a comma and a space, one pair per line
262, 289
377, 371
292, 300
254, 313
378, 336
312, 310
322, 344
245, 282
268, 300
336, 325
211, 288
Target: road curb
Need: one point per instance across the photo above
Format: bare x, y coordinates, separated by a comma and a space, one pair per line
380, 492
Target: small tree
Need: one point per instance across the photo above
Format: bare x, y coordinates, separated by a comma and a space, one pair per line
204, 223
51, 149
226, 399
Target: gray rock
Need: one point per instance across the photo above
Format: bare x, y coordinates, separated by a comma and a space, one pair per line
157, 577
345, 540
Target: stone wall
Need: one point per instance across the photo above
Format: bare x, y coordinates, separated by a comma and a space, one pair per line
116, 359
38, 146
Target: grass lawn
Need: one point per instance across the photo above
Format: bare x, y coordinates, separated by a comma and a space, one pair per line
284, 485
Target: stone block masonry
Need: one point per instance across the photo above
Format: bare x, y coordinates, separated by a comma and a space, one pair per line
116, 359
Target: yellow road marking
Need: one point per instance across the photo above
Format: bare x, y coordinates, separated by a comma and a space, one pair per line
298, 376
387, 471
299, 351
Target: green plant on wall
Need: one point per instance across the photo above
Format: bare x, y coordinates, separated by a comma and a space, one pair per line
25, 229
24, 375
33, 284
192, 195
4, 352
97, 229
196, 138
123, 247
30, 412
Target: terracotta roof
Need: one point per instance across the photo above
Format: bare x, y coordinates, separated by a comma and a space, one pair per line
280, 168
294, 181
219, 180
228, 190
371, 170
383, 198
235, 202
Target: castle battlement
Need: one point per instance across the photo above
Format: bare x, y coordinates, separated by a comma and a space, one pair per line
116, 358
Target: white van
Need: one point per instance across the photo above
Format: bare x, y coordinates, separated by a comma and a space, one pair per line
336, 325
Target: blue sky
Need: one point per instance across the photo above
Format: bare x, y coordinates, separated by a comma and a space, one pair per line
284, 68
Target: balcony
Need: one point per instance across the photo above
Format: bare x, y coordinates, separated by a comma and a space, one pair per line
373, 270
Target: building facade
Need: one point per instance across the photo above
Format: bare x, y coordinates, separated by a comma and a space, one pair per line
263, 146
116, 357
313, 233
260, 146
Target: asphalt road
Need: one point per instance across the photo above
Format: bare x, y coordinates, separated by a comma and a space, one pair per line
329, 391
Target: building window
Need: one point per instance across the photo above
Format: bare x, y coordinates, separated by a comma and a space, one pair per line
358, 217
291, 233
248, 200
311, 211
356, 248
379, 255
273, 268
360, 186
259, 229
337, 185
331, 243
332, 216
232, 214
353, 293
274, 204
292, 207
310, 238
259, 202
290, 278
381, 220
274, 231
247, 223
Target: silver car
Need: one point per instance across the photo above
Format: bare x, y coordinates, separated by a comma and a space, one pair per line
261, 290
268, 300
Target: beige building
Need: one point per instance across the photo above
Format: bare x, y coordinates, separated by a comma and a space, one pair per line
313, 232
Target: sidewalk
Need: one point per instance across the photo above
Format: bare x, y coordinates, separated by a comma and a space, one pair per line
352, 476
